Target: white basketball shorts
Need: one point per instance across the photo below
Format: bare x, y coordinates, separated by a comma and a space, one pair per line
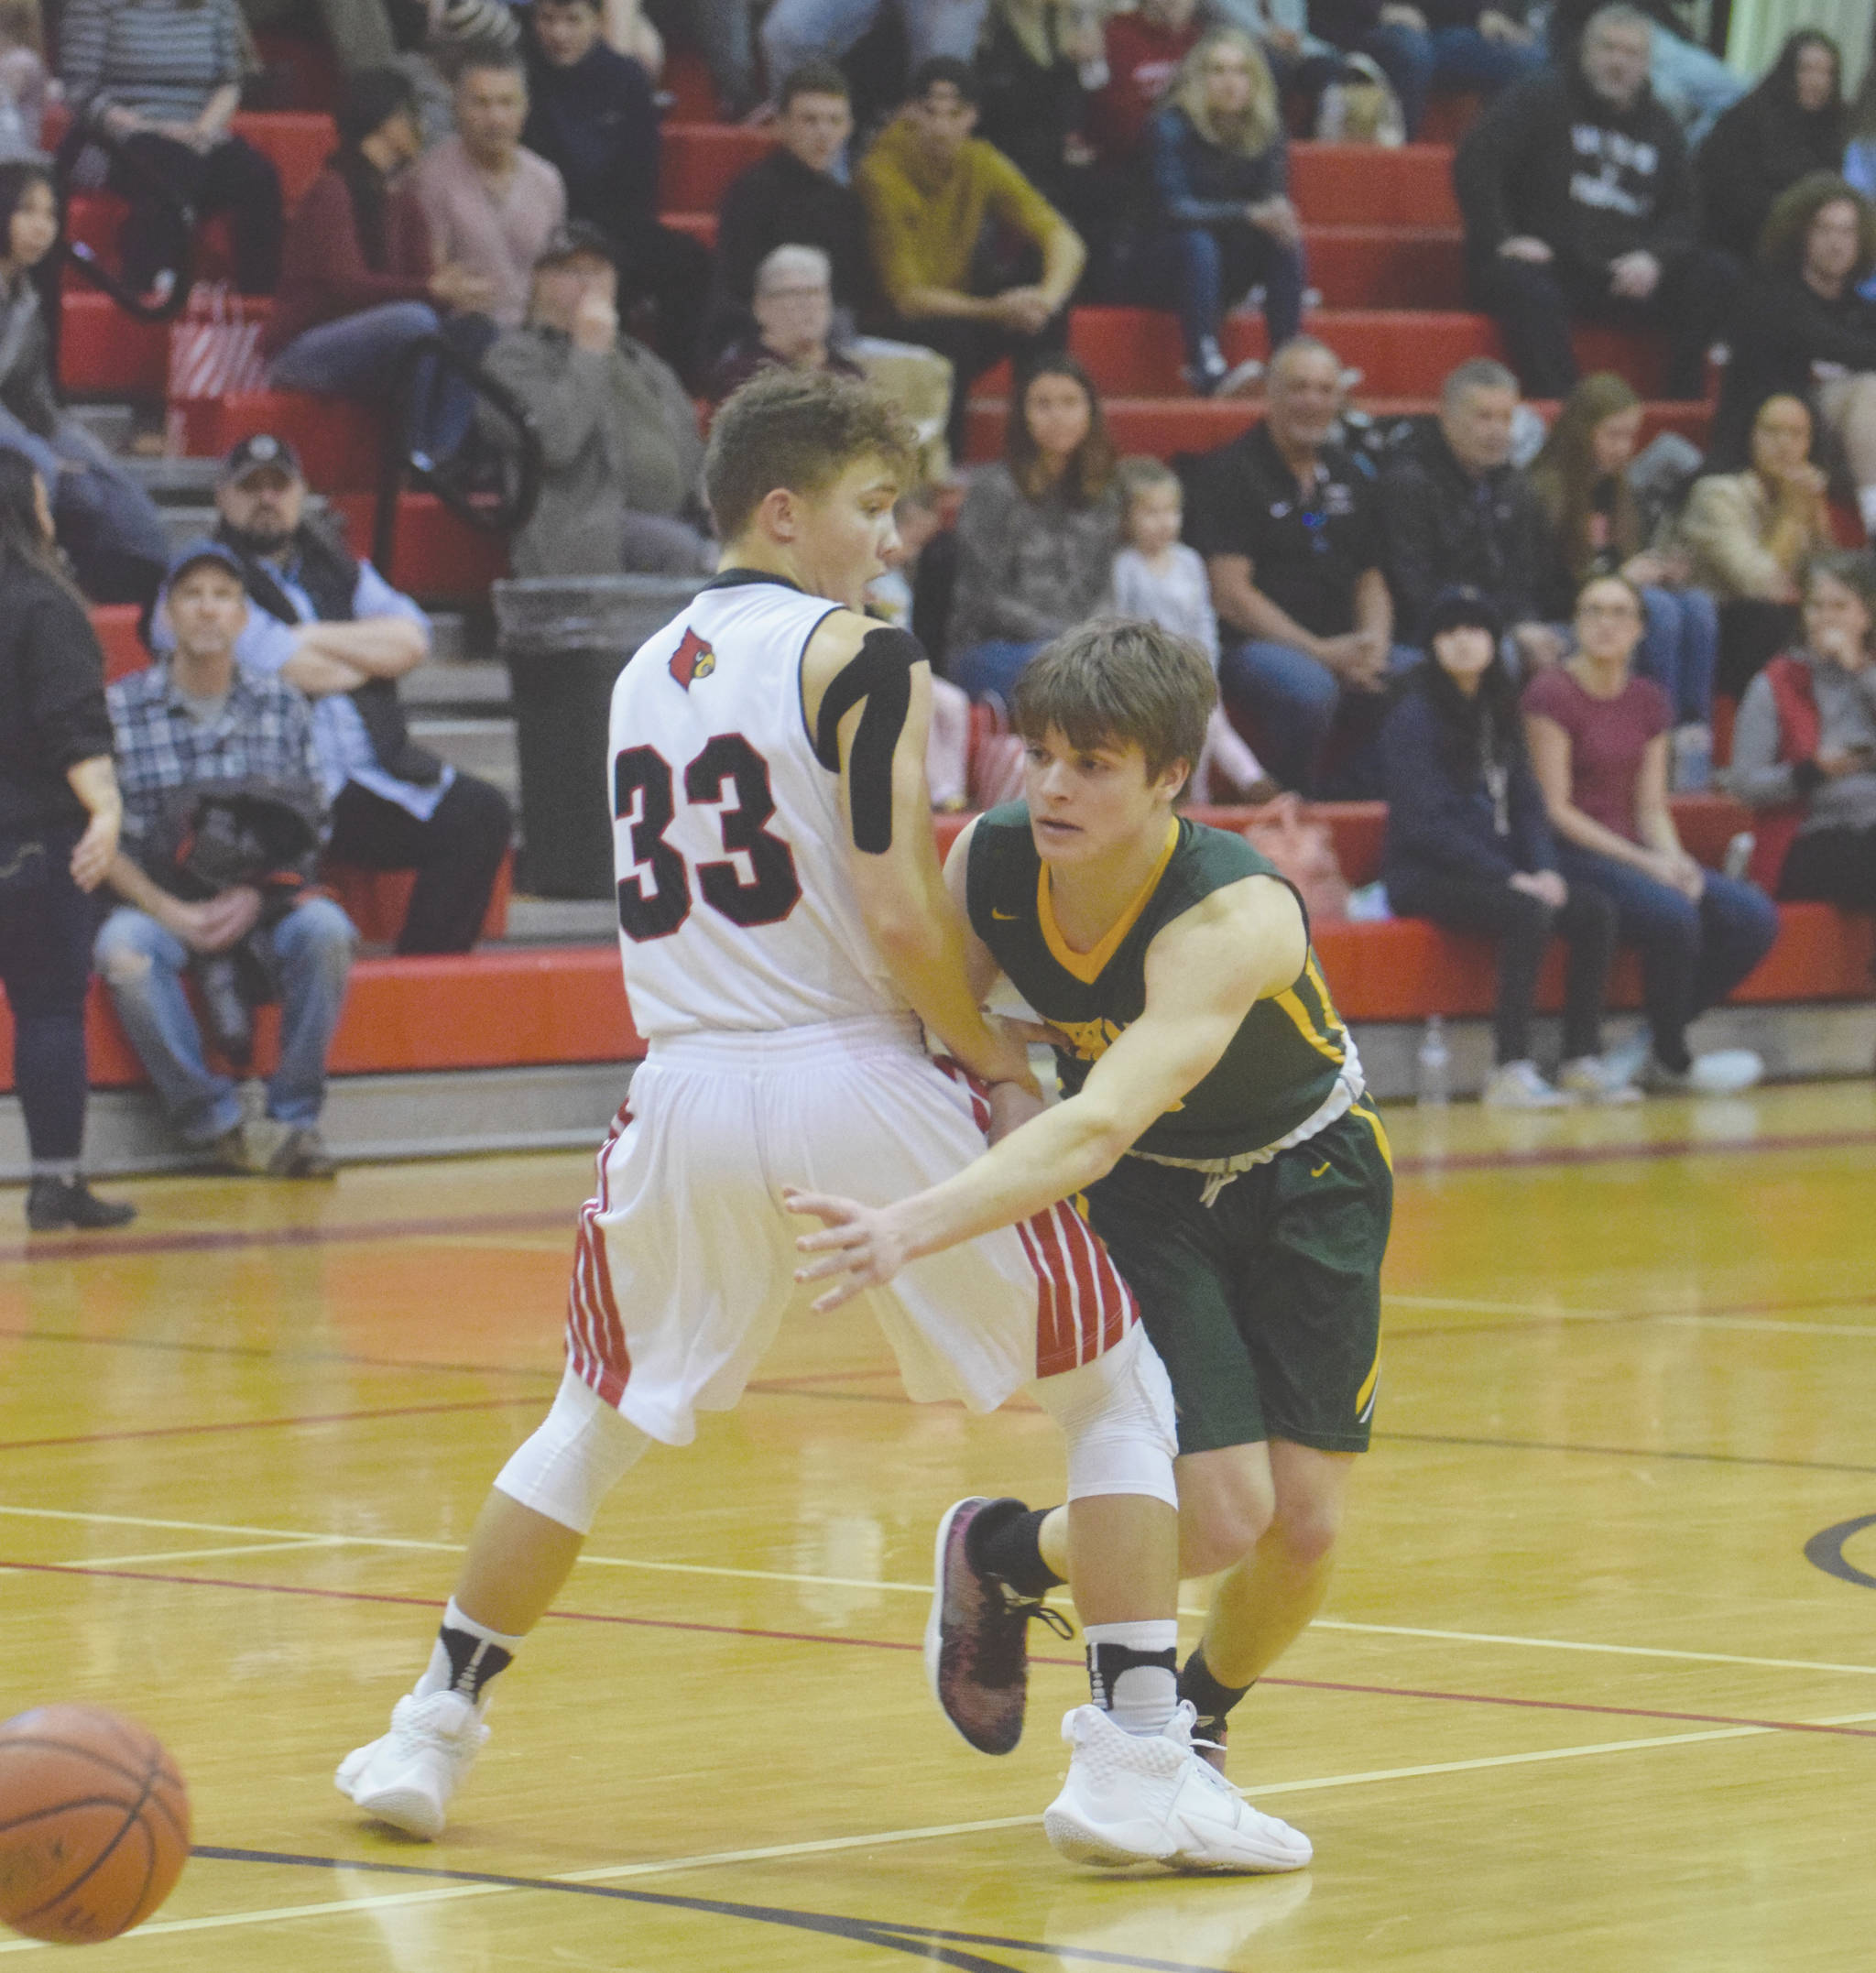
684, 1267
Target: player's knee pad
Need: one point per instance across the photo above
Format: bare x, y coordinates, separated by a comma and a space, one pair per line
1116, 1415
579, 1454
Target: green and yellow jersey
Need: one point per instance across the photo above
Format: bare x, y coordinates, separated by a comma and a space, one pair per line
1282, 1066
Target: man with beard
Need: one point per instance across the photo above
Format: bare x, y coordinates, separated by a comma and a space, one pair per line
336, 629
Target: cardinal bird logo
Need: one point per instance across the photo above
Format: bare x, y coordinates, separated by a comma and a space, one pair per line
693, 658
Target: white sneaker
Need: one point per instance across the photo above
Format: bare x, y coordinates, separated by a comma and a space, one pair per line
1597, 1079
1517, 1086
1149, 1798
1726, 1071
407, 1778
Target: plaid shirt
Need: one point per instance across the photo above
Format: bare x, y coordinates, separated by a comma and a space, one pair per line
264, 731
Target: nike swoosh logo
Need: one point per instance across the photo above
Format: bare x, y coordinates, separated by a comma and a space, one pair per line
1007, 918
1319, 1171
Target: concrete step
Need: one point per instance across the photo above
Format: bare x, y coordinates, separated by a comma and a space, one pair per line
561, 922
449, 684
480, 747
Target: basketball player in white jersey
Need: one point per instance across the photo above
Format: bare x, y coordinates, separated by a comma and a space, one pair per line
785, 932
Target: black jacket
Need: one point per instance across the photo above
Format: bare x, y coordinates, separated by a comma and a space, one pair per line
1759, 147
1440, 757
1780, 329
597, 124
1549, 160
782, 202
1440, 526
51, 701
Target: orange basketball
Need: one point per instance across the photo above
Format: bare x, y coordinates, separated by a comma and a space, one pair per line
93, 1824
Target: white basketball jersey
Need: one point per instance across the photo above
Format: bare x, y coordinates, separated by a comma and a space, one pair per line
736, 909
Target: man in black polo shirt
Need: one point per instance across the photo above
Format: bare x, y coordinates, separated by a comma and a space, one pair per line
1287, 525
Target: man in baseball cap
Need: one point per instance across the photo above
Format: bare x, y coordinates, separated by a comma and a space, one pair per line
332, 627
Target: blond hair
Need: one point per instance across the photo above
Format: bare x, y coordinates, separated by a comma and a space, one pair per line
1262, 121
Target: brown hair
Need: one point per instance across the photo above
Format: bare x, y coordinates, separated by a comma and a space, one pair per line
1788, 226
811, 78
798, 429
1563, 474
20, 23
1855, 568
1090, 469
1119, 681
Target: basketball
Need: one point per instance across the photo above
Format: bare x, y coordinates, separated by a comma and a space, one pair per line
93, 1824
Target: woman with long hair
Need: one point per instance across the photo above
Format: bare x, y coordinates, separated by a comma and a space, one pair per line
1581, 480
1805, 747
60, 816
1803, 329
1037, 532
1599, 741
1469, 848
1220, 174
1792, 124
1749, 535
106, 522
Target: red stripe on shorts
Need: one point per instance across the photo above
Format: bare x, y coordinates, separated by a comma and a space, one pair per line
595, 1337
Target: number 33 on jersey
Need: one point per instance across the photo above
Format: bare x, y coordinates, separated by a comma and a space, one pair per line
736, 909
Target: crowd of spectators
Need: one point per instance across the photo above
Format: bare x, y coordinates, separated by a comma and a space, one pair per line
1515, 636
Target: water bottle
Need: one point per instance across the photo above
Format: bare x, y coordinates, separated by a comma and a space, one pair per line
1693, 759
1433, 1065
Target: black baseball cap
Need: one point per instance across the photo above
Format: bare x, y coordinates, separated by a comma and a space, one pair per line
193, 554
262, 448
577, 237
1460, 606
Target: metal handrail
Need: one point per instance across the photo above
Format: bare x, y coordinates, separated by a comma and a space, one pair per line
400, 457
81, 138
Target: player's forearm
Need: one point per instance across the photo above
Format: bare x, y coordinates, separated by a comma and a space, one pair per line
1052, 1157
924, 953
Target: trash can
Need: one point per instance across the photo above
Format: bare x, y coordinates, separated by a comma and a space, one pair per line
565, 640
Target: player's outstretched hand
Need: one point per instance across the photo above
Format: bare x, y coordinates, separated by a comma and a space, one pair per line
859, 1246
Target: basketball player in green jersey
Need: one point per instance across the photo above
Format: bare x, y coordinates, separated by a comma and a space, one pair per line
1215, 1122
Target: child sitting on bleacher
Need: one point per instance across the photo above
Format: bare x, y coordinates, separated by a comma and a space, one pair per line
1158, 577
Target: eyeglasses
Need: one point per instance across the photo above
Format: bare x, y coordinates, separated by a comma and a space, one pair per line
1608, 609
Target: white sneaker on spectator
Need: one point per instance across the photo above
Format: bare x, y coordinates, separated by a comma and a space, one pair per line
1726, 1071
1517, 1086
1597, 1079
1623, 1062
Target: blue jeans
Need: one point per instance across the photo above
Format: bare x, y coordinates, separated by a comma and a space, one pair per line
143, 964
106, 523
354, 356
1692, 82
798, 31
1692, 955
1217, 266
1291, 700
1456, 59
991, 666
1679, 649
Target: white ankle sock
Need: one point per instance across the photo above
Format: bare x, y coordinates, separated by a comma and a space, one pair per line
477, 1655
1133, 1671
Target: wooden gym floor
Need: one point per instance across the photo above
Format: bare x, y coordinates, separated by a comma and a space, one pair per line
1595, 1688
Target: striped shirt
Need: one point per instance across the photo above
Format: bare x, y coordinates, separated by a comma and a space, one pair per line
162, 58
264, 732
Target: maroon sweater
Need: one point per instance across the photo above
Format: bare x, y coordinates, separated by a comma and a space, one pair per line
323, 271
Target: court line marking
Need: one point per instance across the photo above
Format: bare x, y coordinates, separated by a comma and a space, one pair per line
543, 1219
624, 1622
289, 1536
262, 1424
617, 1873
1766, 1326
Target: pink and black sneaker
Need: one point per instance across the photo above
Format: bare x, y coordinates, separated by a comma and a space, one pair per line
977, 1650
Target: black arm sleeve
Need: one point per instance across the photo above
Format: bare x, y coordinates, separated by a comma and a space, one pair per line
879, 675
